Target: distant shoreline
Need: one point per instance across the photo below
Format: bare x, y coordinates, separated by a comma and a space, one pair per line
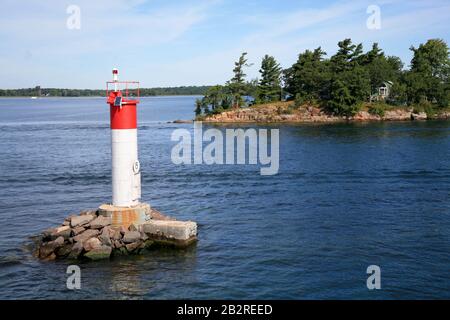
75, 93
77, 97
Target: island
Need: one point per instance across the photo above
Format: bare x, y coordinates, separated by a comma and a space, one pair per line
349, 86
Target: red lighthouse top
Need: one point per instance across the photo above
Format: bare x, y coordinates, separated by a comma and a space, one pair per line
122, 105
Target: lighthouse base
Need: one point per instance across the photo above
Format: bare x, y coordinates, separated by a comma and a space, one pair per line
126, 216
92, 234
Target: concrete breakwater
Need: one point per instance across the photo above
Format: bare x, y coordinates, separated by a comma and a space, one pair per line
91, 235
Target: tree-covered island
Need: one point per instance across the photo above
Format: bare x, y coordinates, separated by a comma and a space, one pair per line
340, 86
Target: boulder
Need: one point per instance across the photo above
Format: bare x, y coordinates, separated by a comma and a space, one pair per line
118, 244
100, 222
64, 250
115, 234
155, 214
92, 243
133, 246
63, 231
47, 248
77, 230
59, 241
88, 212
131, 236
133, 227
81, 220
419, 116
104, 237
85, 235
144, 237
46, 233
102, 252
51, 257
77, 249
107, 230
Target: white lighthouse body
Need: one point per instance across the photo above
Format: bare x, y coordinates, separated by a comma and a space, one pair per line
126, 176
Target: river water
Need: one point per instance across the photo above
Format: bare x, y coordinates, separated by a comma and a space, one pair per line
346, 196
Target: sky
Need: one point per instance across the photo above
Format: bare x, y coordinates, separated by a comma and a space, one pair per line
193, 42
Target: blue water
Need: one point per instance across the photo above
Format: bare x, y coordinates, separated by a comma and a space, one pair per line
347, 196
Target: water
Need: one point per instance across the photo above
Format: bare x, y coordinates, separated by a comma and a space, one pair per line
347, 196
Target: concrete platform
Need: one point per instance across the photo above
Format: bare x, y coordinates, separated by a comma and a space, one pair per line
177, 233
161, 229
125, 216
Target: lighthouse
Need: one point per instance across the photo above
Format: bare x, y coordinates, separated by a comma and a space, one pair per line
126, 207
126, 175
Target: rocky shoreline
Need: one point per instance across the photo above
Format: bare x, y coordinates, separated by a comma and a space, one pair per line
283, 112
90, 235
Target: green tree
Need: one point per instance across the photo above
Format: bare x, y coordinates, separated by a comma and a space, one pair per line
237, 84
347, 56
198, 107
341, 102
380, 68
350, 82
428, 78
348, 90
269, 86
216, 99
308, 78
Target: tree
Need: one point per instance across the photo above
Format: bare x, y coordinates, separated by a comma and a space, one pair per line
348, 90
350, 81
237, 83
216, 99
428, 78
269, 86
347, 56
307, 79
198, 107
341, 102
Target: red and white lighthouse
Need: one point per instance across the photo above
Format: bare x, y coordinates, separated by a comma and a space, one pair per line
126, 176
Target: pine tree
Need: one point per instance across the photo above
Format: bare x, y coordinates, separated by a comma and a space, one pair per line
349, 78
237, 84
307, 78
269, 88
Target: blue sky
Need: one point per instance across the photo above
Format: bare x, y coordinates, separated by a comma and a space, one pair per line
192, 42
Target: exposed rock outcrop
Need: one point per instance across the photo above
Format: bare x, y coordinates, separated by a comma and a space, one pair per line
286, 112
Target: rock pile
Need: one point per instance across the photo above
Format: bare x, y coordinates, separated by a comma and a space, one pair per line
92, 236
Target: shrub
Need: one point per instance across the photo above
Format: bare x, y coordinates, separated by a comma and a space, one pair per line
378, 109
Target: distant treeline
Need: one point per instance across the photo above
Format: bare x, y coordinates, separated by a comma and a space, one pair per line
56, 92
